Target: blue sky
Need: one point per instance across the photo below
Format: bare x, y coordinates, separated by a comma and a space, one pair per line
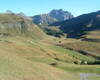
33, 7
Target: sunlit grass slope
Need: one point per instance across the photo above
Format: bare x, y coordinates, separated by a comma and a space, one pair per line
14, 25
27, 53
20, 41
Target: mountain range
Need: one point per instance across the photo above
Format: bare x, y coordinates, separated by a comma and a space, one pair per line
80, 25
53, 16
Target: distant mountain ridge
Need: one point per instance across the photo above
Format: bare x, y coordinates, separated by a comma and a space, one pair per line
53, 16
80, 25
61, 15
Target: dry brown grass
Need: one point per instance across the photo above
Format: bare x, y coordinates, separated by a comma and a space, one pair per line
15, 64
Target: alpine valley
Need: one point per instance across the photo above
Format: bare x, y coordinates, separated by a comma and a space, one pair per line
50, 46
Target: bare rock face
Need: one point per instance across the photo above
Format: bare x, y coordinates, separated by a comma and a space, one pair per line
43, 19
61, 15
53, 16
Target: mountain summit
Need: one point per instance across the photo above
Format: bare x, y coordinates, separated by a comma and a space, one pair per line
53, 16
61, 15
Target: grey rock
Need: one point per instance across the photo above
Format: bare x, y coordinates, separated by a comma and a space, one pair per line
53, 16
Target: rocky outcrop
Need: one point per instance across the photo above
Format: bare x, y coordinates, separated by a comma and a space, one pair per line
60, 15
54, 16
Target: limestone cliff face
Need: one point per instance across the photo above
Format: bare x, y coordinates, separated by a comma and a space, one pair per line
61, 15
53, 16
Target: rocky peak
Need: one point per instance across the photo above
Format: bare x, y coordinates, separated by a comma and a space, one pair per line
60, 14
53, 16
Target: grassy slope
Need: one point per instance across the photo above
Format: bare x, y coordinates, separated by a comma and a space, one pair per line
19, 57
16, 48
17, 68
13, 25
15, 64
31, 58
91, 44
